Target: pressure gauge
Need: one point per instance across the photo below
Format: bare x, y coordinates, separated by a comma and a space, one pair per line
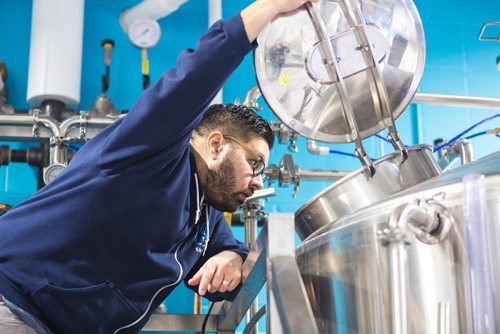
52, 171
144, 33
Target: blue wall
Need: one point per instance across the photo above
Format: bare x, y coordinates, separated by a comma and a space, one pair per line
457, 63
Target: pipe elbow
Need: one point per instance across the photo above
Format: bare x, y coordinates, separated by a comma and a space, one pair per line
315, 149
152, 9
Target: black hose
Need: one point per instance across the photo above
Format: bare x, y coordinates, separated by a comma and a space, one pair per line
255, 319
204, 325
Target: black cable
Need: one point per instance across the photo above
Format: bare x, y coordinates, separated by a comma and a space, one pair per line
206, 319
255, 319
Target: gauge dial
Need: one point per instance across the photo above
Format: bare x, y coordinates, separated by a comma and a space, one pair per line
52, 171
144, 33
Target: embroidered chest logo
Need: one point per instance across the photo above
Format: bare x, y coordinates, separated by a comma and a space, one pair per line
200, 238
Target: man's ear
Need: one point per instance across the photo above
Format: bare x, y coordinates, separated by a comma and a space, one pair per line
215, 144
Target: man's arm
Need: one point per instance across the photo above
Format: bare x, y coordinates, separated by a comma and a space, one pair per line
163, 118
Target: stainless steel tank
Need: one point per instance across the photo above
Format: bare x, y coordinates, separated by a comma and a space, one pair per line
402, 265
356, 191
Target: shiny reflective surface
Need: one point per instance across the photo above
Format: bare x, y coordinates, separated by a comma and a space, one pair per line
295, 84
347, 271
356, 191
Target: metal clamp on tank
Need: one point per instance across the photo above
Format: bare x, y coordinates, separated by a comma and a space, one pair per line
83, 125
427, 218
288, 173
36, 122
285, 135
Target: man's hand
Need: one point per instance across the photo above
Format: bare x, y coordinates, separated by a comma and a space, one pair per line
261, 12
221, 273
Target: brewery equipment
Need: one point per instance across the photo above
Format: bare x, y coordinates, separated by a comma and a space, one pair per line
348, 267
394, 247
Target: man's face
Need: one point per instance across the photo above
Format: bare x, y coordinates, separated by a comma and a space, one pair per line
232, 181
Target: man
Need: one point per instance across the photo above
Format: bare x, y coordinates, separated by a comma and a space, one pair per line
138, 209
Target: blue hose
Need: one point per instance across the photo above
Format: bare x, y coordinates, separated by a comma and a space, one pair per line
452, 140
439, 147
383, 138
74, 147
343, 153
476, 135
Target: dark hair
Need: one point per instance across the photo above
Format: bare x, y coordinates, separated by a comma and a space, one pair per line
235, 120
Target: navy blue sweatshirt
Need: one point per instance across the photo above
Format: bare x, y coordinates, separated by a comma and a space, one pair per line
99, 248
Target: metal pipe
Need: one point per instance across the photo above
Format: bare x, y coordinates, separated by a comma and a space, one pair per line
50, 123
466, 153
428, 217
16, 120
251, 98
58, 154
20, 120
71, 122
250, 237
396, 244
322, 175
457, 100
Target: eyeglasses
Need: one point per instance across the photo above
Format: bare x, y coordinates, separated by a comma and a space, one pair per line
258, 164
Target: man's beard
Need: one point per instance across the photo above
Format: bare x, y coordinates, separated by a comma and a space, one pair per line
220, 187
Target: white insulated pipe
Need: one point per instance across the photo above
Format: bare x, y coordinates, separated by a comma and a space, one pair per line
214, 14
151, 9
55, 63
214, 11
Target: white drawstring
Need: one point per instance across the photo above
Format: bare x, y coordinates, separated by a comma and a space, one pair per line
208, 232
199, 202
179, 278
